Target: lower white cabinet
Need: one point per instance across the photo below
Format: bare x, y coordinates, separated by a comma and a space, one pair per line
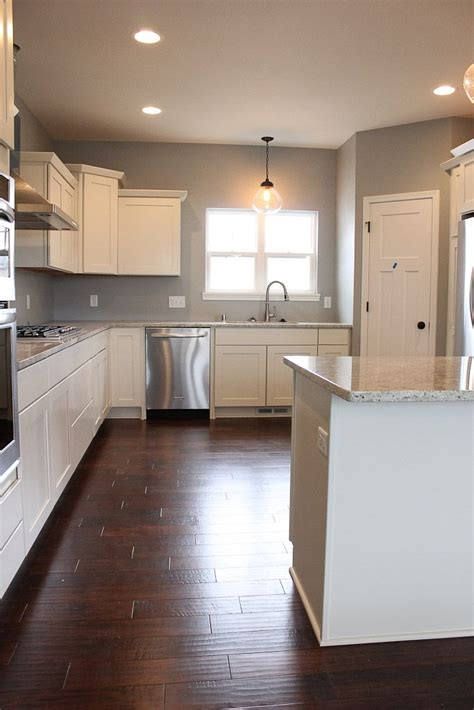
240, 373
127, 359
59, 440
100, 389
279, 376
35, 467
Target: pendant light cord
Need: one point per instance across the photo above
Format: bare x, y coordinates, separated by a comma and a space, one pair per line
266, 163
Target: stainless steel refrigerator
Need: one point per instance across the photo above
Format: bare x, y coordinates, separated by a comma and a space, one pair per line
464, 324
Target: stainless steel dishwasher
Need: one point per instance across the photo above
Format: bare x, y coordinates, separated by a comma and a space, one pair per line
177, 368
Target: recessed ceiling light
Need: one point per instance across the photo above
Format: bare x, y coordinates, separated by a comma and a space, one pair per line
147, 36
151, 110
444, 90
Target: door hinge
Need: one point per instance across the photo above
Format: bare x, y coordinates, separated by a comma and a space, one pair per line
368, 226
367, 306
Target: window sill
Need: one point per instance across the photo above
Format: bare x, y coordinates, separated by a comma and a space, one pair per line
213, 296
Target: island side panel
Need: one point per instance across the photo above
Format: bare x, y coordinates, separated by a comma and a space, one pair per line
309, 495
400, 521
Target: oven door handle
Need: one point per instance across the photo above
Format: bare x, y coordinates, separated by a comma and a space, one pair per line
7, 317
7, 213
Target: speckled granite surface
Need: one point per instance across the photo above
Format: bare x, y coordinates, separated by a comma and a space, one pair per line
384, 379
31, 352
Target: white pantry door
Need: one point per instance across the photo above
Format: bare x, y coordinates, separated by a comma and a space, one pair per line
400, 268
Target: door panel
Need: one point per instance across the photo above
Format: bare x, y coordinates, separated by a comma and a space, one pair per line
280, 376
240, 375
399, 281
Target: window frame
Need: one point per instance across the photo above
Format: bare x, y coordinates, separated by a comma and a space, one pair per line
261, 257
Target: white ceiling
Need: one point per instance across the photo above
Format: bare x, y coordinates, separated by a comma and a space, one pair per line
309, 72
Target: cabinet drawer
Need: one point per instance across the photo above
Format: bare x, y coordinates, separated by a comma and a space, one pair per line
11, 558
333, 336
11, 512
99, 342
333, 350
33, 382
266, 336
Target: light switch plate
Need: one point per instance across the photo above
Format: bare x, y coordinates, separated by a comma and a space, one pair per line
177, 302
94, 301
327, 301
323, 441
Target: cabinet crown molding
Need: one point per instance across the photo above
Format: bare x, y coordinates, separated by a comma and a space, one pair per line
179, 194
52, 159
78, 168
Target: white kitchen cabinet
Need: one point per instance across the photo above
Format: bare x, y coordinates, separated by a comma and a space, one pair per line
81, 412
97, 206
127, 356
34, 468
466, 200
279, 376
240, 373
248, 362
100, 394
7, 137
60, 462
149, 232
54, 249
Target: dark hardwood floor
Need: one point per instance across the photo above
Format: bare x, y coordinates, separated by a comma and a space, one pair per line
161, 581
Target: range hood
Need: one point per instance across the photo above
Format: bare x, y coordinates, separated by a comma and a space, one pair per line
33, 211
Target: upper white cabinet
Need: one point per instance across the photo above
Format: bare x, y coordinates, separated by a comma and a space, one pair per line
6, 74
461, 172
55, 249
97, 203
149, 232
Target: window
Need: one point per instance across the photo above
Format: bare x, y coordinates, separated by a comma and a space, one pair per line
246, 250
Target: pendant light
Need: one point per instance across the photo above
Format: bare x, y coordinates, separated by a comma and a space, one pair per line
468, 83
267, 200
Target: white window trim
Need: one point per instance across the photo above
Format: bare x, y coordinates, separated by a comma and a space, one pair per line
210, 295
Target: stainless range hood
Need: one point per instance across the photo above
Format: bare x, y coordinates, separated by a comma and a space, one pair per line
33, 211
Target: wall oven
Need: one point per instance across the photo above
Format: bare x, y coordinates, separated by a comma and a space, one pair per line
9, 437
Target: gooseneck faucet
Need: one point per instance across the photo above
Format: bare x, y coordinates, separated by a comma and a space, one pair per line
268, 316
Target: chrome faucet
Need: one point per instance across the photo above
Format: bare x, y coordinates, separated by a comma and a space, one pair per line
268, 316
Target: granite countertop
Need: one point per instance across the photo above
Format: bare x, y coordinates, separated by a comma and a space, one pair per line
390, 379
30, 352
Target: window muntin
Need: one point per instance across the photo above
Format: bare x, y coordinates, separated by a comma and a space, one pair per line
246, 250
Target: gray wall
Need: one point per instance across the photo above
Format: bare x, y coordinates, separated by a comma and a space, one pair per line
404, 159
345, 222
39, 286
214, 176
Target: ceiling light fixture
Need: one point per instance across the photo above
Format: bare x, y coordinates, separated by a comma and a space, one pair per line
444, 90
468, 83
147, 36
151, 110
267, 200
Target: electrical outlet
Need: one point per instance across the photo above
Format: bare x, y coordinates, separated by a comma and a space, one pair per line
327, 301
177, 302
323, 441
28, 302
94, 301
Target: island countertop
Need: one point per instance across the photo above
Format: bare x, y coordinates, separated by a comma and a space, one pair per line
390, 379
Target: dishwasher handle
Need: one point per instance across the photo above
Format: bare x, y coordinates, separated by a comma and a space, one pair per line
167, 337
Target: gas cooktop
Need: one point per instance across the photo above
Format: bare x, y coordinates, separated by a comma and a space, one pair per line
55, 332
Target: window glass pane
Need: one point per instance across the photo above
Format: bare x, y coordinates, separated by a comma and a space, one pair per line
232, 273
232, 230
286, 232
294, 272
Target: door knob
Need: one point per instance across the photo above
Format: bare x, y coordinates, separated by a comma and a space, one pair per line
421, 325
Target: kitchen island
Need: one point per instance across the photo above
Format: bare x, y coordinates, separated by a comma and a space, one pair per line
382, 516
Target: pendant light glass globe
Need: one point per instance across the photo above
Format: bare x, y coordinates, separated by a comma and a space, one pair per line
468, 83
267, 200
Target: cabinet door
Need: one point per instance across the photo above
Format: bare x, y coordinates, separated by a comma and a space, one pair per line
99, 388
240, 373
149, 236
99, 225
59, 438
6, 74
467, 184
333, 350
81, 411
127, 355
280, 376
61, 243
37, 496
